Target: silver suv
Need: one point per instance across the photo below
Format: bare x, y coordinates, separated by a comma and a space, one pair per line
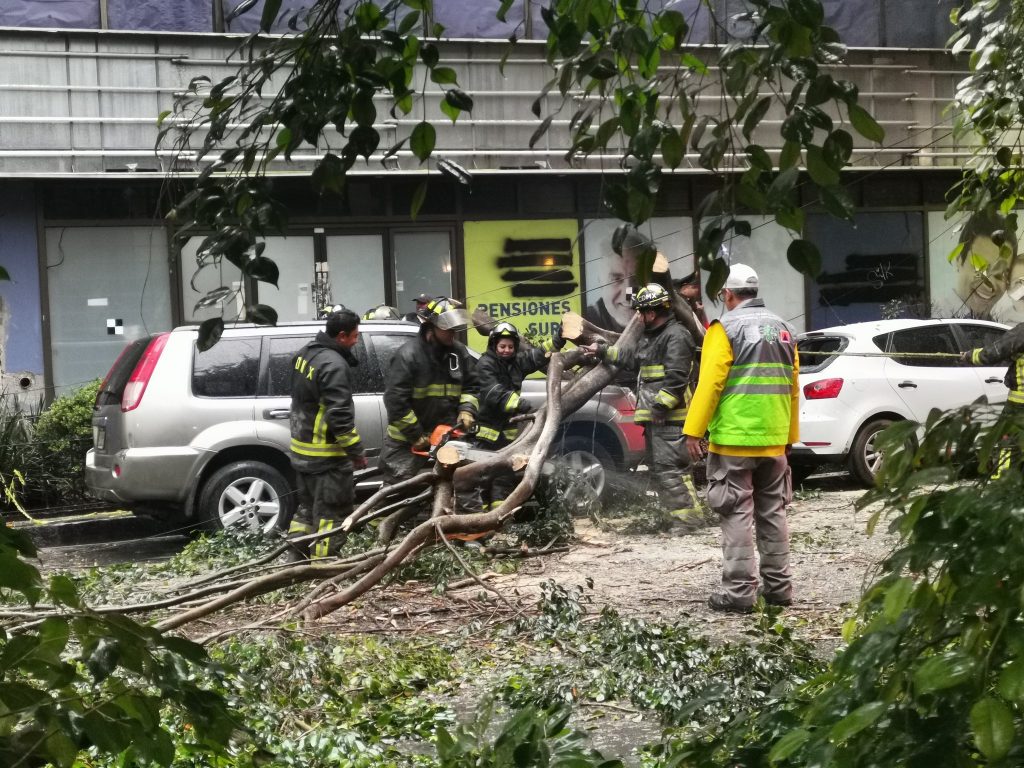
204, 436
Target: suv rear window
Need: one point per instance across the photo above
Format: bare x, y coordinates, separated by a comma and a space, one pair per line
113, 387
818, 352
282, 351
229, 369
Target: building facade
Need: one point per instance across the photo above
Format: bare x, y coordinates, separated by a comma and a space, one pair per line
93, 263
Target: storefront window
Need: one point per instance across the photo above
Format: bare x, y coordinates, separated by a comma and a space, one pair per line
871, 269
197, 283
293, 297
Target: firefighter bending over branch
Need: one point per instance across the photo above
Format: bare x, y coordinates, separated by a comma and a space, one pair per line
501, 372
432, 381
664, 361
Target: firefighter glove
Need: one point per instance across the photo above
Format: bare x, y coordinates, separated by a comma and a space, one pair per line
524, 406
421, 444
466, 421
359, 462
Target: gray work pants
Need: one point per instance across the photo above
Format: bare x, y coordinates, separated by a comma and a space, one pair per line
750, 494
670, 469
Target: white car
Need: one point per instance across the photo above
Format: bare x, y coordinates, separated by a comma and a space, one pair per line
847, 399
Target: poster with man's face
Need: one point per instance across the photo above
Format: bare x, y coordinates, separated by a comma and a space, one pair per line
610, 277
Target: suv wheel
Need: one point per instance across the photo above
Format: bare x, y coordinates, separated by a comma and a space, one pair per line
865, 458
248, 496
586, 461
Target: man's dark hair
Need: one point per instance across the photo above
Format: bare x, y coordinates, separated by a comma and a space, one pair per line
343, 320
744, 293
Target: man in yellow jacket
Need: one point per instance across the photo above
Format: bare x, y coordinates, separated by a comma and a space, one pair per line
748, 399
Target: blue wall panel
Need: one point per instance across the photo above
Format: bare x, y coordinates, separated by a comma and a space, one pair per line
19, 255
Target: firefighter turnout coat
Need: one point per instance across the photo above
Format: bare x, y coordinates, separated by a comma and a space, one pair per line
663, 360
323, 419
501, 383
427, 385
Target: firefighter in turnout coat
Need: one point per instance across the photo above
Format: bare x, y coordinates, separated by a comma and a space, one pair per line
501, 371
1007, 350
325, 446
431, 381
663, 362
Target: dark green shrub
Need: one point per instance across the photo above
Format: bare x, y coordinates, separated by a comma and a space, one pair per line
63, 433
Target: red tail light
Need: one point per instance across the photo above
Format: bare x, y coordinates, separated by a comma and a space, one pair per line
136, 386
823, 389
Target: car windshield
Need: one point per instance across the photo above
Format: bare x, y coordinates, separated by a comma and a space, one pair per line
818, 352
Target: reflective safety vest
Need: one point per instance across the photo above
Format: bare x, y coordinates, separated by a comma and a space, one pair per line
755, 407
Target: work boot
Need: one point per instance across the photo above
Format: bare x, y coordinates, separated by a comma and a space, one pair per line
723, 604
776, 600
296, 553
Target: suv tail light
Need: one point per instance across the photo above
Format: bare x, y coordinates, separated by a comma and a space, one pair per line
823, 389
136, 386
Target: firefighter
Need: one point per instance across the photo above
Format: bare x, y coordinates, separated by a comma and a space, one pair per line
1007, 350
431, 381
663, 361
501, 371
325, 446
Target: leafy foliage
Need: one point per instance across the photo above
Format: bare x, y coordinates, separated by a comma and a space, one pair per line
86, 681
643, 86
347, 54
989, 108
933, 667
63, 433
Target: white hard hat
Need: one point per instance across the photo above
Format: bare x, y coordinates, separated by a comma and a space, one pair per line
741, 276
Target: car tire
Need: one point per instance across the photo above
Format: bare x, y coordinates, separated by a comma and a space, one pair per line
865, 458
247, 496
586, 458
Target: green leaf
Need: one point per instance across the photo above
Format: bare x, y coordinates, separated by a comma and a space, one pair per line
994, 731
455, 171
804, 257
819, 168
61, 750
459, 99
672, 148
261, 314
819, 91
419, 195
541, 130
856, 721
717, 278
946, 670
329, 174
162, 116
408, 22
790, 155
270, 10
838, 147
210, 332
63, 591
53, 638
263, 269
422, 140
788, 745
443, 75
430, 55
18, 575
865, 124
836, 201
756, 115
1011, 681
